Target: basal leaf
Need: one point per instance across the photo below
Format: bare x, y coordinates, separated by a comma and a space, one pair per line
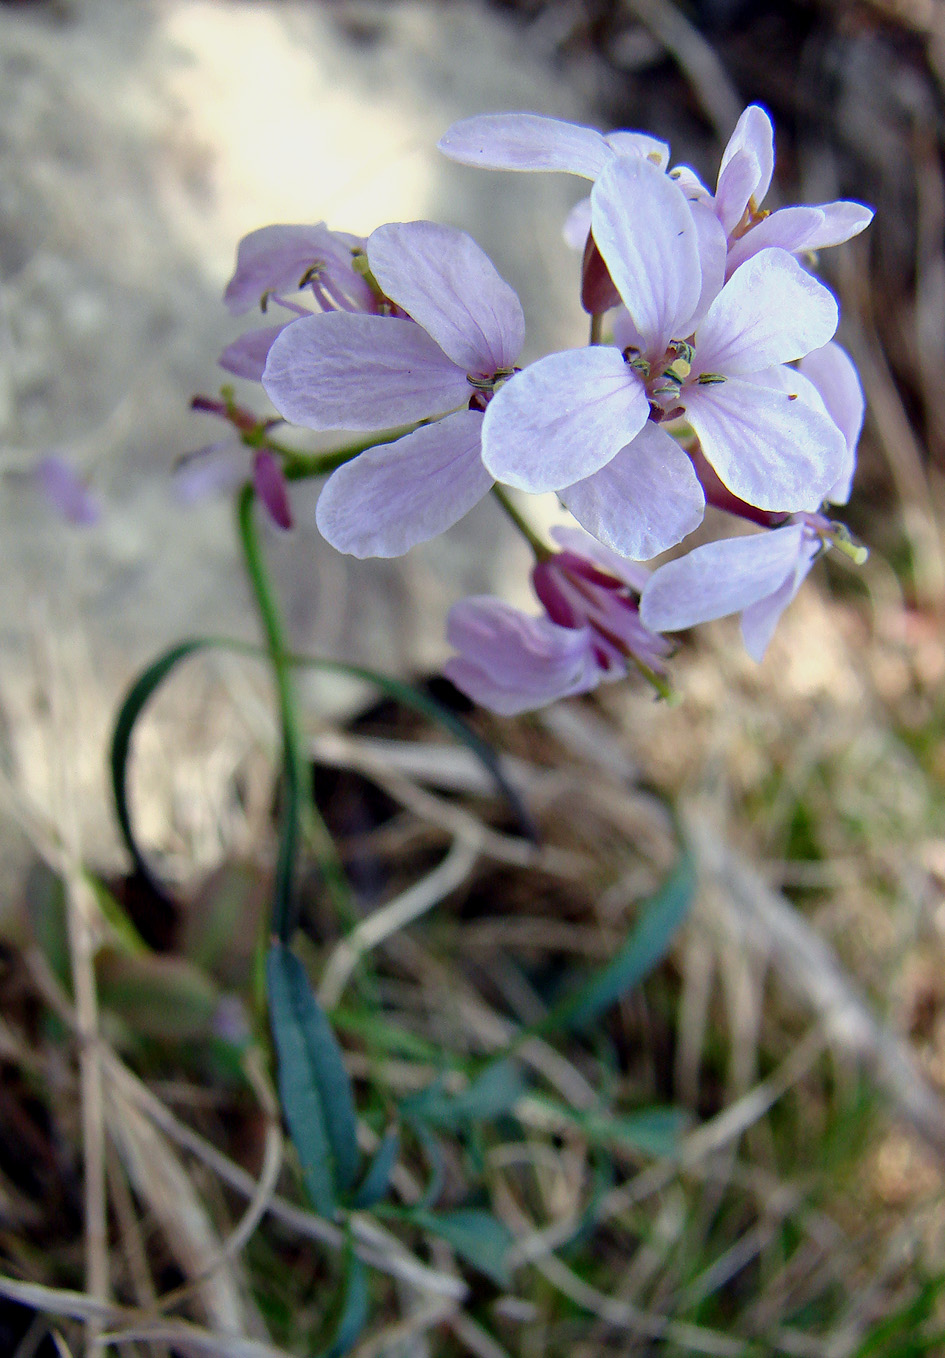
477, 1236
376, 1181
313, 1083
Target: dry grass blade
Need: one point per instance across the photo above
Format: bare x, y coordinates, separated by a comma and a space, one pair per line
768, 922
396, 915
161, 1181
194, 1342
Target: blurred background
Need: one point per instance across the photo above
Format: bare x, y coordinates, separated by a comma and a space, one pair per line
138, 143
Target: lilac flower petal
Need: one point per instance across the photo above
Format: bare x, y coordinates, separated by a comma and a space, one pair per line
511, 662
645, 232
842, 221
345, 371
218, 467
582, 544
275, 258
448, 285
760, 619
66, 491
639, 144
753, 133
790, 228
246, 356
577, 224
644, 501
770, 311
562, 418
395, 495
737, 182
713, 248
773, 452
693, 189
720, 578
526, 141
834, 375
271, 488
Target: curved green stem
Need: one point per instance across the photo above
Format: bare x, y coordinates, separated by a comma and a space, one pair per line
542, 550
299, 809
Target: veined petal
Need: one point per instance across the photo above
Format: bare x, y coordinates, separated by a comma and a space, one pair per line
246, 356
737, 182
771, 451
441, 278
511, 662
395, 495
275, 258
346, 371
760, 619
790, 228
720, 578
526, 141
834, 375
562, 418
770, 311
713, 248
842, 221
644, 501
645, 231
753, 133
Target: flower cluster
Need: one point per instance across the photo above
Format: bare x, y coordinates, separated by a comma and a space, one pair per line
711, 376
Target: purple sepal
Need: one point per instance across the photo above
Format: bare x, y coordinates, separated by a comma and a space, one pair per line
270, 486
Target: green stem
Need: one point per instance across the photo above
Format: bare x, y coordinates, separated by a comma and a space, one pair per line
299, 808
298, 466
541, 550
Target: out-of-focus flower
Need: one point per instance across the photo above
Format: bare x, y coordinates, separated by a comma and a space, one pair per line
591, 632
223, 465
66, 491
278, 260
743, 181
343, 371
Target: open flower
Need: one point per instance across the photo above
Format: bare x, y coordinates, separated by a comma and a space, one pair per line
586, 423
591, 632
279, 260
756, 576
357, 372
743, 181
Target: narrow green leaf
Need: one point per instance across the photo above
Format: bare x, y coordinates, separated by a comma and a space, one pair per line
376, 1181
313, 1083
354, 1312
134, 703
147, 683
493, 1093
647, 945
477, 1236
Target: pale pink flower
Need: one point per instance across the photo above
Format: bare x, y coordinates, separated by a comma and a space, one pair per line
590, 633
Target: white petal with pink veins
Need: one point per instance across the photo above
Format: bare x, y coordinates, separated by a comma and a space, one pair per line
648, 239
345, 371
563, 418
395, 495
771, 451
770, 311
526, 141
644, 501
442, 279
